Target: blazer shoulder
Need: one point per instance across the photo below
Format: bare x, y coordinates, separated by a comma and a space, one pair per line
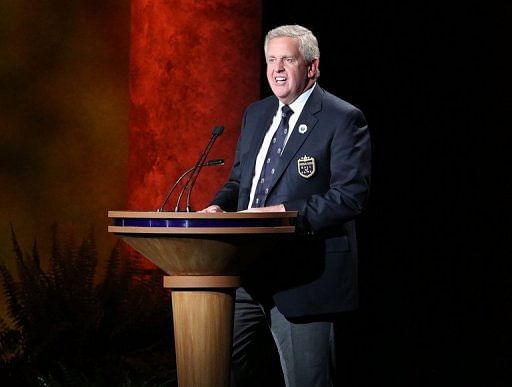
331, 104
333, 101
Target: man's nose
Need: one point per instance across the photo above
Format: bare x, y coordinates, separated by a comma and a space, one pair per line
279, 65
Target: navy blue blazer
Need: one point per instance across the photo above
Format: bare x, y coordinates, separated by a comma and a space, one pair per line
324, 174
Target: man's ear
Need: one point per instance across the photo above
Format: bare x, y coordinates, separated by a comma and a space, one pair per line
313, 68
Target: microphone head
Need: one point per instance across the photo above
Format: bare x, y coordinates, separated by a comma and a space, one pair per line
217, 131
215, 162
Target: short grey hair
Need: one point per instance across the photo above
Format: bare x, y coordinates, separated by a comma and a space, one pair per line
308, 44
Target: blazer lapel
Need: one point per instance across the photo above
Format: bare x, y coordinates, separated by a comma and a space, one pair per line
307, 117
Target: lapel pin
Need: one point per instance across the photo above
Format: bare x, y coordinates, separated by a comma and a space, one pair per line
303, 128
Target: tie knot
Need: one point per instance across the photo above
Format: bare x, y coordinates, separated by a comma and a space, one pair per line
286, 111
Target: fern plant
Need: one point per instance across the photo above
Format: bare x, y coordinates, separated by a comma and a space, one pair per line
69, 328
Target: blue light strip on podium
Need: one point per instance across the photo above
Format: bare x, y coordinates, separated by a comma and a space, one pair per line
190, 223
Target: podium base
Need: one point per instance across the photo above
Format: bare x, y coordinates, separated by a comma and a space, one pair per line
202, 308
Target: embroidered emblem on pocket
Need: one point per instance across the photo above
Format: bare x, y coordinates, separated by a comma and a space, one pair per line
306, 166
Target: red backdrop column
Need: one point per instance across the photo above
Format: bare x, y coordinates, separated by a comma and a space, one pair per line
193, 65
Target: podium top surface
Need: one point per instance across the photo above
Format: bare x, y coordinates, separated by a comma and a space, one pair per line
153, 222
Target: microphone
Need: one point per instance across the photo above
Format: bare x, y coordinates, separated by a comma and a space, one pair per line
216, 132
210, 163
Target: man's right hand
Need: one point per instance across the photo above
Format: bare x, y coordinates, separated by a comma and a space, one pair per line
211, 209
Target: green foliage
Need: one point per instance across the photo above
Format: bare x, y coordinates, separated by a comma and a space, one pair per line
69, 329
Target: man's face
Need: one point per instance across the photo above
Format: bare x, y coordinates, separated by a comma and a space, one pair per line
288, 74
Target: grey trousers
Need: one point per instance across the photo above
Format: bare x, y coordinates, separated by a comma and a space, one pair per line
269, 350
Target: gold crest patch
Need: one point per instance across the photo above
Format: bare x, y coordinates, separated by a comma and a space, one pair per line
306, 166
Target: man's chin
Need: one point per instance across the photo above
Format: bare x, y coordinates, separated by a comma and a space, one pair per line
280, 91
284, 97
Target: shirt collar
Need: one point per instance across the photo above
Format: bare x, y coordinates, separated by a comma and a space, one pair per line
299, 103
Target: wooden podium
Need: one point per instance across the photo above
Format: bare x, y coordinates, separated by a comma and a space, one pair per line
202, 255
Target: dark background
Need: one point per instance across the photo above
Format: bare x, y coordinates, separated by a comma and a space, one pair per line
433, 82
434, 270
